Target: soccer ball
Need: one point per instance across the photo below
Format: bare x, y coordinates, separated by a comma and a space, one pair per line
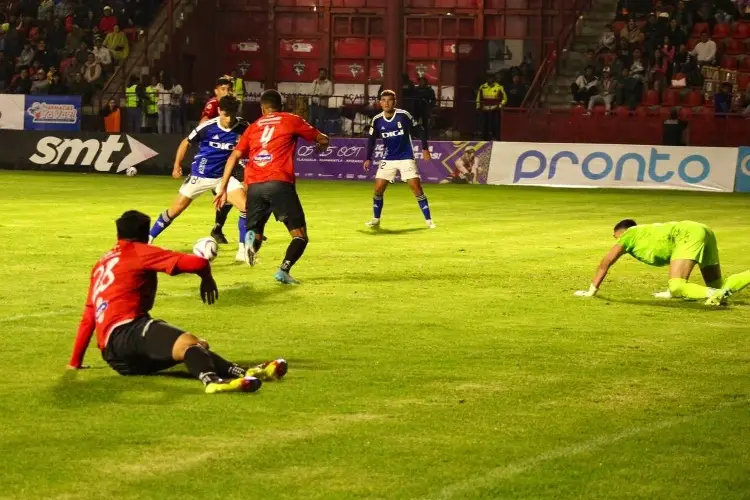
206, 248
131, 171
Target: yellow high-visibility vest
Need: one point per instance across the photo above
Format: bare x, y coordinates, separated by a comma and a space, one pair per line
131, 96
151, 107
239, 88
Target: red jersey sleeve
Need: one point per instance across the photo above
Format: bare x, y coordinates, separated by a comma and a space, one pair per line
305, 130
211, 109
157, 259
85, 330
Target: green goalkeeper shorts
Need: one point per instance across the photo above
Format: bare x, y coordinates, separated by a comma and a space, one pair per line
695, 241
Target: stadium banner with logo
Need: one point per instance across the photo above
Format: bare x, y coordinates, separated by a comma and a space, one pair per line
344, 159
52, 112
743, 170
11, 111
613, 166
88, 152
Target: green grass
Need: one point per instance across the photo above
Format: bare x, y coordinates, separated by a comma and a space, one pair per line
446, 364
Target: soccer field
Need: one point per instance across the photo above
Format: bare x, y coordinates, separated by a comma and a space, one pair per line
424, 364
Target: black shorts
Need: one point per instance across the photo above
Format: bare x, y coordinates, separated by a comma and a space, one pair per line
277, 198
141, 347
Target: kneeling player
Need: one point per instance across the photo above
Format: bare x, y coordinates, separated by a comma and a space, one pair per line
122, 291
217, 139
680, 245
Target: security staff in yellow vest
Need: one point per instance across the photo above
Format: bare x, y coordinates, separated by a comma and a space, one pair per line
151, 107
491, 98
133, 110
238, 87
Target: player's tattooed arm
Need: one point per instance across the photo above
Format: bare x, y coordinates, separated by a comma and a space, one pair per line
181, 152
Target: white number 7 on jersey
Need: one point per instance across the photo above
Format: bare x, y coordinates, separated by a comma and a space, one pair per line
267, 134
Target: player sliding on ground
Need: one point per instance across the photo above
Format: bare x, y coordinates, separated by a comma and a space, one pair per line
395, 127
121, 294
269, 144
680, 245
217, 139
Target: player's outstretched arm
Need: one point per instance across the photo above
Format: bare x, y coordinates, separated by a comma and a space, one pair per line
221, 192
323, 141
83, 337
601, 272
181, 152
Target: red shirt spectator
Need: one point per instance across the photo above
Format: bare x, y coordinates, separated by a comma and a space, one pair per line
108, 23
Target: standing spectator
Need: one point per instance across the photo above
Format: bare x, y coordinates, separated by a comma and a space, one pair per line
133, 105
723, 99
22, 84
238, 85
193, 110
56, 86
6, 72
632, 33
112, 117
175, 106
27, 56
322, 89
47, 58
675, 34
491, 97
516, 91
628, 90
584, 86
152, 104
163, 109
674, 130
683, 17
705, 51
657, 72
607, 41
39, 83
102, 55
117, 42
426, 100
638, 66
108, 21
605, 92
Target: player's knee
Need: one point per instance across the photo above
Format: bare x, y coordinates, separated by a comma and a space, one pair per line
676, 286
204, 343
183, 343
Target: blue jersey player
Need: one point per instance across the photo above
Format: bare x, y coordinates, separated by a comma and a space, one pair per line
395, 126
216, 139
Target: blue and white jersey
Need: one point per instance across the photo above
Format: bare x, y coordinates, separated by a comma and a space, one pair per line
215, 146
396, 133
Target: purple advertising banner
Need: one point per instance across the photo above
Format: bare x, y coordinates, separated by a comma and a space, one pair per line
457, 162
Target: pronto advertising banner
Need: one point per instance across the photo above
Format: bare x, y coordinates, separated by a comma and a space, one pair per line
460, 162
77, 152
11, 111
52, 112
613, 166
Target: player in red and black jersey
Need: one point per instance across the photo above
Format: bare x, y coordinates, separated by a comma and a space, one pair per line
269, 144
121, 294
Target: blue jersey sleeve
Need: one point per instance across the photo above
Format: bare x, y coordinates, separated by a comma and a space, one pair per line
372, 137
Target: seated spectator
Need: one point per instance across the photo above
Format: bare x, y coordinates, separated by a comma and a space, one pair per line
56, 85
653, 33
681, 58
39, 83
683, 18
607, 41
118, 43
705, 51
77, 85
705, 15
516, 91
584, 86
668, 51
108, 22
57, 35
27, 56
674, 130
62, 10
74, 39
71, 69
87, 22
638, 66
605, 92
632, 33
92, 72
675, 34
102, 54
628, 90
723, 99
47, 58
590, 59
22, 84
744, 8
45, 6
82, 54
657, 71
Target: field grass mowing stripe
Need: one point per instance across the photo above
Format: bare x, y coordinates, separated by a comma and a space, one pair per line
513, 469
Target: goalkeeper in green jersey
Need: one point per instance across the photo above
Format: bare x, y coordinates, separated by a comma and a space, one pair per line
679, 245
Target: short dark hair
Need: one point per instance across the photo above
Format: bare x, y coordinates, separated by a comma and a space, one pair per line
229, 105
704, 33
322, 69
387, 92
133, 226
272, 99
625, 224
223, 81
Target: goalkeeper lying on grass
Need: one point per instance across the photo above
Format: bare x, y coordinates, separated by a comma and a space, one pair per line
681, 245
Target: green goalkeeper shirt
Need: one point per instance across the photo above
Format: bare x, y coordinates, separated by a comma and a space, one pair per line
651, 244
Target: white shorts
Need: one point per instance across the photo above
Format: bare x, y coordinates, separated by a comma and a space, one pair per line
194, 186
389, 168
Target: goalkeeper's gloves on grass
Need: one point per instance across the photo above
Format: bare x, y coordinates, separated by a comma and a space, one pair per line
587, 293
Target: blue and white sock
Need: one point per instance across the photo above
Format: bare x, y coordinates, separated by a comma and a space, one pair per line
424, 206
162, 222
241, 225
377, 206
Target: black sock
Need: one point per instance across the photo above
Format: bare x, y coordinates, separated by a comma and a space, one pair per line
257, 243
226, 369
200, 364
293, 252
221, 216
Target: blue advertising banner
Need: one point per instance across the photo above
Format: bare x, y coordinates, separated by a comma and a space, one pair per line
52, 112
743, 171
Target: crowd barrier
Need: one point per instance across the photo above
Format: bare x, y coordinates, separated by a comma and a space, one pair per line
504, 163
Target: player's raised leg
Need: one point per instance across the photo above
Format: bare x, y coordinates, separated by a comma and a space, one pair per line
237, 197
412, 179
168, 216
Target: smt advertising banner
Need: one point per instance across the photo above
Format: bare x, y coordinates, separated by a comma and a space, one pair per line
459, 162
82, 152
613, 166
52, 112
11, 111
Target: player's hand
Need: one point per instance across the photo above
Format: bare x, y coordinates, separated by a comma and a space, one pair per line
663, 295
426, 156
220, 199
587, 293
177, 172
209, 290
366, 165
322, 146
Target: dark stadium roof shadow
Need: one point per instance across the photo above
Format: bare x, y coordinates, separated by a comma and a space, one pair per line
375, 232
668, 303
